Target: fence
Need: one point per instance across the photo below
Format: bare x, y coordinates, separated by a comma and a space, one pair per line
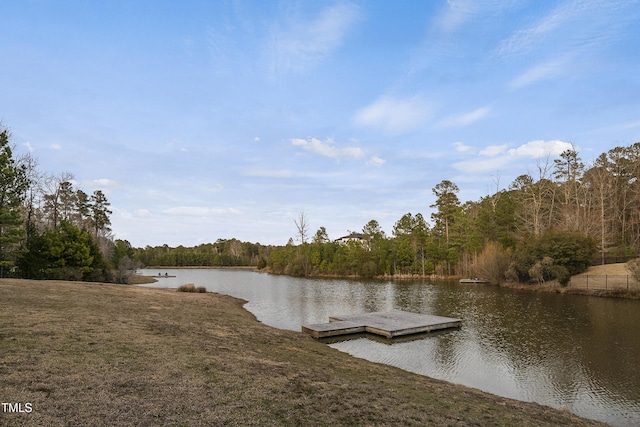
604, 282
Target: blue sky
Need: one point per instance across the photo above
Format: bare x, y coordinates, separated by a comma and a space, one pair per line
216, 119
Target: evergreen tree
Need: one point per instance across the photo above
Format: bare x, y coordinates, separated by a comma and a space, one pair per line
100, 213
13, 187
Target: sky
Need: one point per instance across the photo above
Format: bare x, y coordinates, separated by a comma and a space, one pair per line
206, 120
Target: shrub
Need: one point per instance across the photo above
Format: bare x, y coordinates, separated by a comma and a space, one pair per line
190, 287
562, 274
494, 263
634, 266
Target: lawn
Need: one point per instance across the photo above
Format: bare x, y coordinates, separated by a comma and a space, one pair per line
105, 355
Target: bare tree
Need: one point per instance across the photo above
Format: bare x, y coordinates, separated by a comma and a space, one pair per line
302, 224
53, 186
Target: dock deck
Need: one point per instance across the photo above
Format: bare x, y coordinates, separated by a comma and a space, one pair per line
389, 324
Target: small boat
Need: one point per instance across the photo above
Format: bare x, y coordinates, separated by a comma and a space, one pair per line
160, 276
473, 280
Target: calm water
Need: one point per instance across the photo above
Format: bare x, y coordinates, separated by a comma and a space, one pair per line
566, 351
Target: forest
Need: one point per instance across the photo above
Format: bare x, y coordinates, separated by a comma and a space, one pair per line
544, 226
548, 225
51, 230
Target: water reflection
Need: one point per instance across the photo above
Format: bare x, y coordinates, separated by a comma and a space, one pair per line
565, 351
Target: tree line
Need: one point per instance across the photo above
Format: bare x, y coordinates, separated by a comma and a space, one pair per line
222, 253
548, 225
544, 226
49, 229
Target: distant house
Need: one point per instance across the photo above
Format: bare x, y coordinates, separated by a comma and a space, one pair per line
353, 237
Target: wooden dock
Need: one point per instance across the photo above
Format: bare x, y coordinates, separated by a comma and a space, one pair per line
389, 324
473, 280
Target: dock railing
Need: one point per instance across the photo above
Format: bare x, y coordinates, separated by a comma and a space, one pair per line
604, 282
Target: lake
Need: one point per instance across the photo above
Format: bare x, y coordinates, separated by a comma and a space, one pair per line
574, 352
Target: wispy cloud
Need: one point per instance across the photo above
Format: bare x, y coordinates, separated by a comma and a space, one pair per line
482, 165
300, 44
551, 69
465, 119
197, 211
462, 148
103, 182
394, 115
56, 146
456, 13
376, 161
269, 173
631, 125
493, 150
327, 148
29, 146
495, 157
575, 21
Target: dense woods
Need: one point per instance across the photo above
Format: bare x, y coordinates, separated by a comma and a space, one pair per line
550, 225
51, 230
222, 253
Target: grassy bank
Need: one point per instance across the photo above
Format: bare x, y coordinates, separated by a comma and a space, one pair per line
97, 354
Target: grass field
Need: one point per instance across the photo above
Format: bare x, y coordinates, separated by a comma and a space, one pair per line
111, 355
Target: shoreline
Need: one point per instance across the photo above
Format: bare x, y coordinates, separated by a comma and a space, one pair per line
82, 352
205, 267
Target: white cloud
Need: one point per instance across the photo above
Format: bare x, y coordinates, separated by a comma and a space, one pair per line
539, 148
29, 147
304, 44
497, 157
493, 150
461, 147
465, 119
56, 146
327, 148
376, 161
393, 115
256, 139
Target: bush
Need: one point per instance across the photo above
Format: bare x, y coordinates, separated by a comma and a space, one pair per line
190, 287
494, 263
562, 274
634, 266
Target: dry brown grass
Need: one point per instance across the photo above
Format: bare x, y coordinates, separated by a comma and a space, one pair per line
190, 287
106, 355
136, 279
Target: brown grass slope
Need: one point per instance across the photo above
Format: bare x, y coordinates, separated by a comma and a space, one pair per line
107, 355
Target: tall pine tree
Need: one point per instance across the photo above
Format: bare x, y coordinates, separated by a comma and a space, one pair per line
13, 188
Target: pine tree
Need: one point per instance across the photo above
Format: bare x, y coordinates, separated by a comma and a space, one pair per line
13, 187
